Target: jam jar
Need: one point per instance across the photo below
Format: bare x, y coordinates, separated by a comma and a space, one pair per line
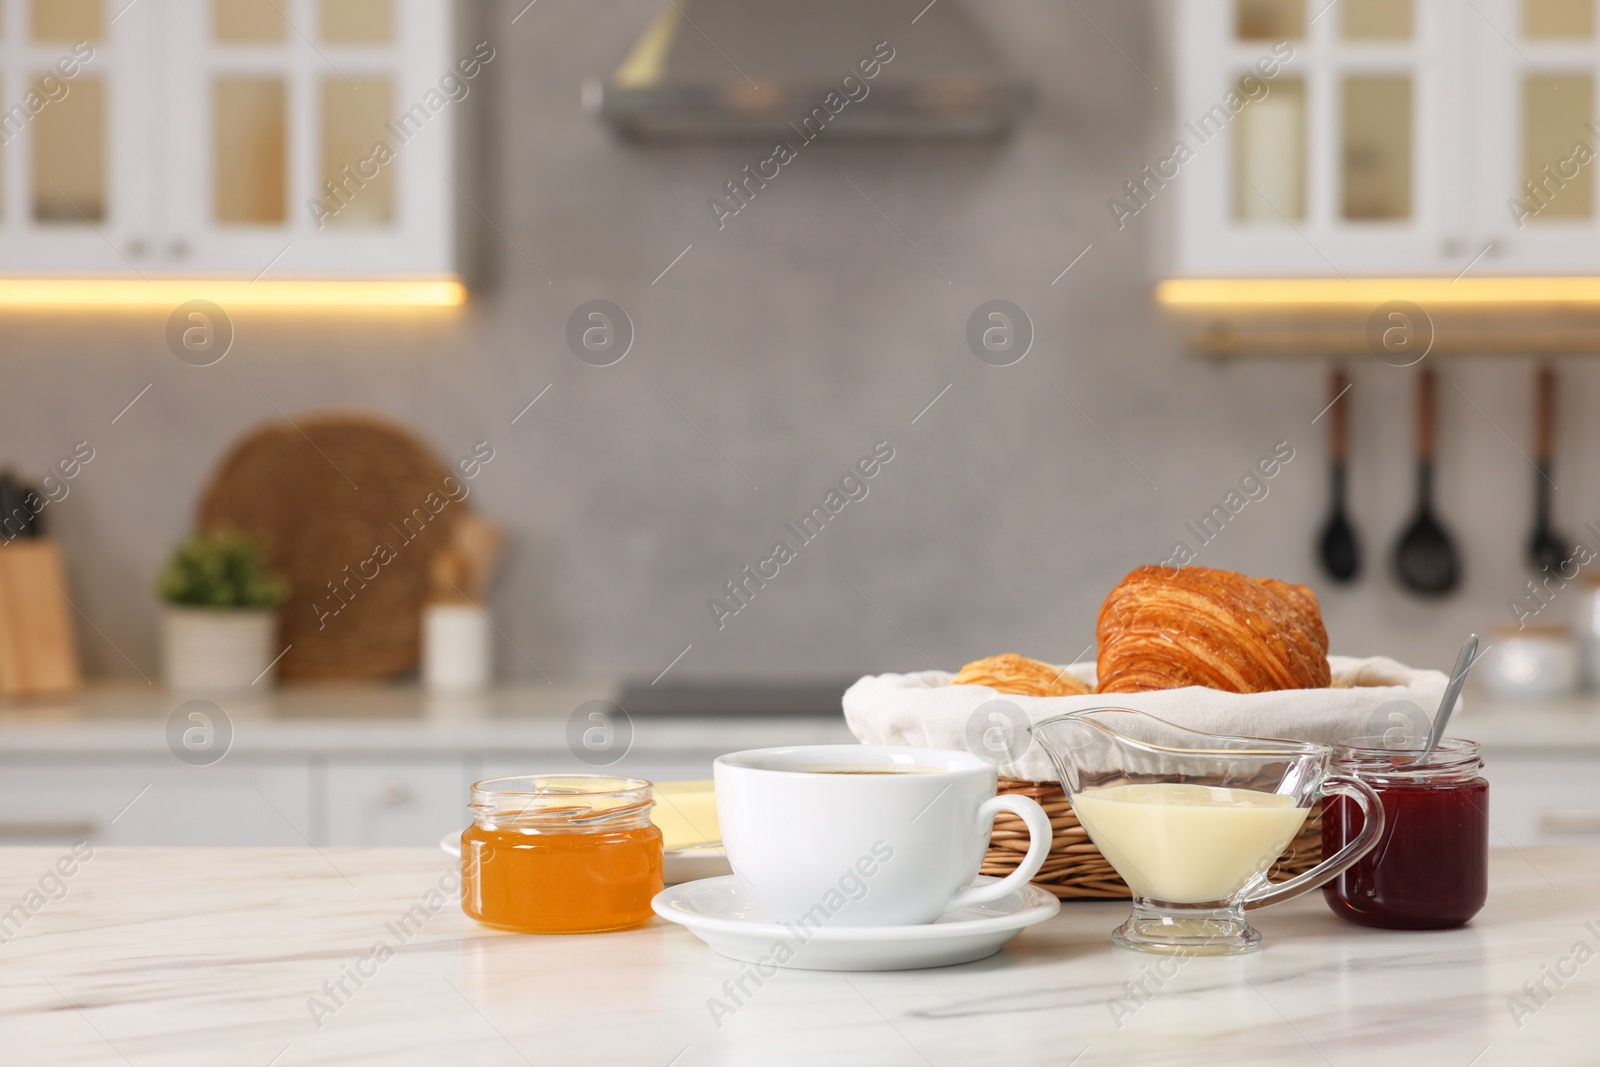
1430, 869
561, 853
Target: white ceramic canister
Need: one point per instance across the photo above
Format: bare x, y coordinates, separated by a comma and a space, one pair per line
1536, 662
457, 648
1588, 630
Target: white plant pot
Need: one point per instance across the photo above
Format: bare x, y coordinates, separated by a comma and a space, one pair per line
219, 648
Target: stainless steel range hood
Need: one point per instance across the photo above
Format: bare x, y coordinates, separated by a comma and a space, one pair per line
722, 69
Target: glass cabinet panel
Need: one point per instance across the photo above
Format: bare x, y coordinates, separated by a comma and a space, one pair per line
1376, 20
251, 133
357, 21
1556, 112
353, 118
69, 153
1375, 132
1557, 19
247, 21
1270, 20
1269, 163
68, 20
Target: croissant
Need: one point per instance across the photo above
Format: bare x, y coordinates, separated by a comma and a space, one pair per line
1011, 673
1165, 629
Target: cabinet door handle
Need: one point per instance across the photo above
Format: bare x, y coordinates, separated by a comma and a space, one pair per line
1569, 822
65, 829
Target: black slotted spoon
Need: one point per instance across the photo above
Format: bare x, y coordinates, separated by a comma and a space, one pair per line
1425, 558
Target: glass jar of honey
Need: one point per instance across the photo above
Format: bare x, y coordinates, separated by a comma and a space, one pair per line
1430, 869
561, 853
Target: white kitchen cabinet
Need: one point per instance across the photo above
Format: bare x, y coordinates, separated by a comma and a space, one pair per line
1543, 799
156, 801
76, 182
414, 802
394, 781
1391, 137
651, 766
272, 122
1533, 93
395, 803
231, 137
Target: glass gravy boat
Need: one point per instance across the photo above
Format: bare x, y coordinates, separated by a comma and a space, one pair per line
1193, 821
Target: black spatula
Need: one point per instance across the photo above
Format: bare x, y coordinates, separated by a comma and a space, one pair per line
1425, 559
1547, 550
1338, 548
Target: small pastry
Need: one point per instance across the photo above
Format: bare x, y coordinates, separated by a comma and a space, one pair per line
1021, 676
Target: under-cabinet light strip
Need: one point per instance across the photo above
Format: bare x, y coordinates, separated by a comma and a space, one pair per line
1311, 293
50, 294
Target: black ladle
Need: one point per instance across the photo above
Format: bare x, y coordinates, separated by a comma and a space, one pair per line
1425, 559
1338, 548
1547, 550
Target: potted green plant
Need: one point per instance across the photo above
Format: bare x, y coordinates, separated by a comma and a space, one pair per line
219, 628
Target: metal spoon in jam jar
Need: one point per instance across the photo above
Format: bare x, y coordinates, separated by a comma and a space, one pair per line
1447, 706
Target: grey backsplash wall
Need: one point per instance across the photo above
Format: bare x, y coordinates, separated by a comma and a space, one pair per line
795, 338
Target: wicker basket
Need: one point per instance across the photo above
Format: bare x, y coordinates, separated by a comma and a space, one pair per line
1075, 869
293, 486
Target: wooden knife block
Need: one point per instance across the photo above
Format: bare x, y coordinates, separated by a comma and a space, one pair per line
37, 653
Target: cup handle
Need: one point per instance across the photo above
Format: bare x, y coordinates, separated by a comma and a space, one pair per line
1039, 837
1371, 806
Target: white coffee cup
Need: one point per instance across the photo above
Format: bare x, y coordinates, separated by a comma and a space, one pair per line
814, 845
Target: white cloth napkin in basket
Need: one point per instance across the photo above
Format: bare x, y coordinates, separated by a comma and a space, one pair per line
924, 710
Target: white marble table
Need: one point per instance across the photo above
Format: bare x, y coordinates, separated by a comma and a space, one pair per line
220, 957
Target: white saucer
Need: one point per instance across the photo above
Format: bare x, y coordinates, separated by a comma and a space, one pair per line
679, 865
720, 913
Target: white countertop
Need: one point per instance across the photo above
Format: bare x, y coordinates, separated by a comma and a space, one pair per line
208, 956
374, 719
371, 719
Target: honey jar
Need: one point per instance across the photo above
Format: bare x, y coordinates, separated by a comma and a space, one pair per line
561, 853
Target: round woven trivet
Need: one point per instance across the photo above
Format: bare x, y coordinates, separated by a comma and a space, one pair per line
322, 494
1076, 869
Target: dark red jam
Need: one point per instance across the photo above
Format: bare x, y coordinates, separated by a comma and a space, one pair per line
1430, 869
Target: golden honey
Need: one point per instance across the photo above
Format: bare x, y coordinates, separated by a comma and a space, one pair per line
561, 854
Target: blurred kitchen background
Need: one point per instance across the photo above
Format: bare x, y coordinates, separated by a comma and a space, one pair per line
771, 354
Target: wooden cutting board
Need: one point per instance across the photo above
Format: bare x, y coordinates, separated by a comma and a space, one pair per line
37, 652
349, 508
